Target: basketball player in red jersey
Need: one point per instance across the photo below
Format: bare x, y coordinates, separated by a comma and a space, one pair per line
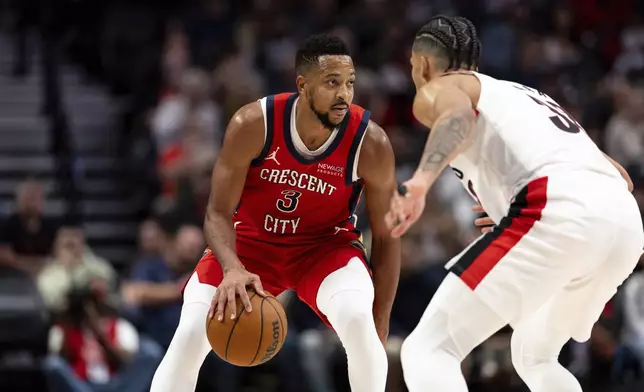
280, 216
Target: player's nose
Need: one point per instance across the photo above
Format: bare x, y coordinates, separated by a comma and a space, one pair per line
343, 93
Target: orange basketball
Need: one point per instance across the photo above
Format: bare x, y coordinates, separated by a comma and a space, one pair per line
251, 338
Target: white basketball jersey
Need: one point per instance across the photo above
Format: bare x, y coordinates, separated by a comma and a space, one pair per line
522, 134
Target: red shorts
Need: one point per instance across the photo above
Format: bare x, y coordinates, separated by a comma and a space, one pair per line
282, 267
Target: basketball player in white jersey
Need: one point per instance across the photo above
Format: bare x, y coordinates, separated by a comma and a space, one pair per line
568, 231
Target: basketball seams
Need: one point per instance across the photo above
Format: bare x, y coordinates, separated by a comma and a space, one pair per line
261, 330
279, 317
242, 349
232, 329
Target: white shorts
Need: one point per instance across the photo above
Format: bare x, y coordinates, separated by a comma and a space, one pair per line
567, 242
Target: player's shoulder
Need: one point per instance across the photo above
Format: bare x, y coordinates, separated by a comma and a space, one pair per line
468, 82
245, 133
249, 116
375, 136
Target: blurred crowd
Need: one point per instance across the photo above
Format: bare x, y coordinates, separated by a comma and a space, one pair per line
181, 69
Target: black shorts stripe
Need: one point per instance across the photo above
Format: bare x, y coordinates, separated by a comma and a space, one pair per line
466, 260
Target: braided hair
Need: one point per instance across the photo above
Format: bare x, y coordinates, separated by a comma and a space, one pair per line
453, 42
475, 50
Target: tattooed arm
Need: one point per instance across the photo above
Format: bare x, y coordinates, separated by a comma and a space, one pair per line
448, 112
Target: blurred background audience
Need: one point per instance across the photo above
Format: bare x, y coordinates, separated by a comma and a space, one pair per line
112, 114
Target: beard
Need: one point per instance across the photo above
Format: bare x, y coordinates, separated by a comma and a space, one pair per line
323, 117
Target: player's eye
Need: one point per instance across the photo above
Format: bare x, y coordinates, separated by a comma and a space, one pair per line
332, 82
351, 82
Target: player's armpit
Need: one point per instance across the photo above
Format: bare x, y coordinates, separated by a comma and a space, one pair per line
377, 168
449, 113
243, 142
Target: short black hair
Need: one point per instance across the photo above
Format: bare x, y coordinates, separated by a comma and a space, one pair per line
308, 55
453, 41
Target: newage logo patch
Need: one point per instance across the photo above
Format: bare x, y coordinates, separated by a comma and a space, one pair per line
331, 170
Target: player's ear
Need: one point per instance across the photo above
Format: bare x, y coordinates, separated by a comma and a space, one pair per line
425, 68
300, 82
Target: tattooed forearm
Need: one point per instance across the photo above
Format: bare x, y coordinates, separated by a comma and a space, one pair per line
448, 137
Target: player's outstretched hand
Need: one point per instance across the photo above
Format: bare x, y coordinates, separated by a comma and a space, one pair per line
407, 205
485, 223
234, 283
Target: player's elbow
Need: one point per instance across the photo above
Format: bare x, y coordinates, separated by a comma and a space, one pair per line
214, 215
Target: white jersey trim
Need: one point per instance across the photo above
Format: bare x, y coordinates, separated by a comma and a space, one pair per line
262, 102
354, 176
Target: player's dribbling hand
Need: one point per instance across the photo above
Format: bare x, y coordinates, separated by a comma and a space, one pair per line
485, 223
407, 205
234, 283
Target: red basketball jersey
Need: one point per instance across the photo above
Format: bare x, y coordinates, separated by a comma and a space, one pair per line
290, 198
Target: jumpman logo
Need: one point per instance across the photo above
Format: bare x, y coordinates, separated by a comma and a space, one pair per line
273, 156
339, 229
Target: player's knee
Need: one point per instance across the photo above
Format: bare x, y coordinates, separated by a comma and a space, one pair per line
190, 336
536, 342
524, 352
433, 339
413, 348
351, 313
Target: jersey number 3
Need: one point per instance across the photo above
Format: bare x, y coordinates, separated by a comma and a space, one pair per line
561, 118
289, 202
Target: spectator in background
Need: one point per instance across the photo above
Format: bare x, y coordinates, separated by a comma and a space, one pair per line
27, 236
238, 81
558, 49
625, 130
192, 102
93, 350
153, 290
73, 265
185, 168
175, 61
151, 239
632, 39
210, 28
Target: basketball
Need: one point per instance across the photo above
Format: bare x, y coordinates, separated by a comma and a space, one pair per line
252, 338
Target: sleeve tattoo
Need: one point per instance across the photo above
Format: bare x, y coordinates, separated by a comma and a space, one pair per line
448, 137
